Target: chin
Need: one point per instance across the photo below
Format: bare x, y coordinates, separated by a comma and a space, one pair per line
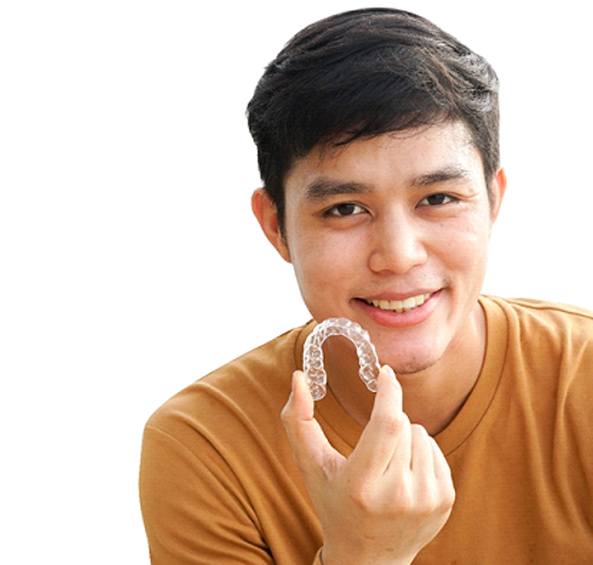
410, 368
412, 364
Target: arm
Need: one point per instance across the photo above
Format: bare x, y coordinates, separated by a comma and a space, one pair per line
194, 510
385, 502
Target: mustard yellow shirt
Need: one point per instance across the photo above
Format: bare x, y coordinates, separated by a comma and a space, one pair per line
218, 483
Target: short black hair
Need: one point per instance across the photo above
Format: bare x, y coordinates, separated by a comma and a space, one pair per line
363, 73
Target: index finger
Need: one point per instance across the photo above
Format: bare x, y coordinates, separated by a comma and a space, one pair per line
385, 430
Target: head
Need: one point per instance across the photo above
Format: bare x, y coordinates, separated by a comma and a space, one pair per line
377, 139
363, 73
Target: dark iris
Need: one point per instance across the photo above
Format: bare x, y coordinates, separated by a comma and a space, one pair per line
345, 209
435, 199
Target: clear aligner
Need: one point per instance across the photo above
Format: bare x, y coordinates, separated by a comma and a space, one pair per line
313, 354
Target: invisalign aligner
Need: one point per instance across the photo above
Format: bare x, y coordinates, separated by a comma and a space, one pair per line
313, 354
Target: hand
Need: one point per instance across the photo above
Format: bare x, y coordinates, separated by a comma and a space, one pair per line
389, 498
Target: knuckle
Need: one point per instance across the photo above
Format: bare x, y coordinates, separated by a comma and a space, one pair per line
438, 502
448, 498
403, 500
419, 429
289, 424
405, 503
360, 503
427, 504
286, 414
420, 501
362, 499
419, 433
390, 424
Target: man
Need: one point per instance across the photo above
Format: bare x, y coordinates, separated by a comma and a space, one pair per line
377, 138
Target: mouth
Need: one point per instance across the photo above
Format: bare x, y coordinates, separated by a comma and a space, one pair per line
407, 311
399, 306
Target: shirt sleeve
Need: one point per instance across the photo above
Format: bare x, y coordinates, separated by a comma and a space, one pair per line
194, 510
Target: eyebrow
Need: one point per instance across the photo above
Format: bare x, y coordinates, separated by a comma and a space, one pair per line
323, 188
442, 175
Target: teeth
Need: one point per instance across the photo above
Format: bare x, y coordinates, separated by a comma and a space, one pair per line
409, 303
400, 305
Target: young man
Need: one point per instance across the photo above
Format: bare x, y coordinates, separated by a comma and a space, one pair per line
377, 138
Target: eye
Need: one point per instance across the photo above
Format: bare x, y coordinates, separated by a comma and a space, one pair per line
343, 210
438, 199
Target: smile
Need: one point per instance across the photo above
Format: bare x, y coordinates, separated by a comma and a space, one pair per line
399, 305
408, 311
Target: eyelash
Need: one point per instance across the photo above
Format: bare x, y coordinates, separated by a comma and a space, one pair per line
452, 199
331, 212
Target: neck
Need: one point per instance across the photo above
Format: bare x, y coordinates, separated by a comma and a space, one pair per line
432, 397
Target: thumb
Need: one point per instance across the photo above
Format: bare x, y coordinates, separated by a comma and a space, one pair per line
301, 401
307, 440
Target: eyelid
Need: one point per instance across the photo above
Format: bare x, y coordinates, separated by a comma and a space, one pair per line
328, 211
452, 199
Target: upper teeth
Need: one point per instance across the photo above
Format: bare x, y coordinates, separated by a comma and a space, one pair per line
400, 305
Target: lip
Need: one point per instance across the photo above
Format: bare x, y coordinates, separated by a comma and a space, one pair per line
400, 319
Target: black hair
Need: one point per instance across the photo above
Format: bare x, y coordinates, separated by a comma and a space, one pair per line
362, 73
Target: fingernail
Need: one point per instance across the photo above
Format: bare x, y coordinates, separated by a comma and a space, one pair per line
388, 371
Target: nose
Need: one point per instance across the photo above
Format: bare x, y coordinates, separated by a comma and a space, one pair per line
398, 245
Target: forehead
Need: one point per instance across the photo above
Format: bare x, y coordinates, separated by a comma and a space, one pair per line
389, 159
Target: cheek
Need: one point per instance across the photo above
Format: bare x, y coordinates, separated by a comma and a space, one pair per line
325, 262
466, 247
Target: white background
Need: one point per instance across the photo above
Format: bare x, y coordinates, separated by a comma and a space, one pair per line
130, 262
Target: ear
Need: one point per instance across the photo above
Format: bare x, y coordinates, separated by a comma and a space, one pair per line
497, 191
267, 215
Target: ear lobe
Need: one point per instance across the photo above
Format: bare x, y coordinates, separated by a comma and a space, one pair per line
498, 189
267, 215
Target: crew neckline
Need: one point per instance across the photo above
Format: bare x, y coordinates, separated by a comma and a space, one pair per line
343, 429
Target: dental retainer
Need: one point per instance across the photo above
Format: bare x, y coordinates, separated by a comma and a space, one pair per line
313, 354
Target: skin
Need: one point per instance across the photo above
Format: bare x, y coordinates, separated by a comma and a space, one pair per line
389, 498
395, 241
407, 213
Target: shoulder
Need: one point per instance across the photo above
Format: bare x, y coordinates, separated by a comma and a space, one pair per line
552, 341
546, 337
217, 476
540, 319
236, 399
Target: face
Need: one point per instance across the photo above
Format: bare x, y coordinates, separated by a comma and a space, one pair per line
391, 232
